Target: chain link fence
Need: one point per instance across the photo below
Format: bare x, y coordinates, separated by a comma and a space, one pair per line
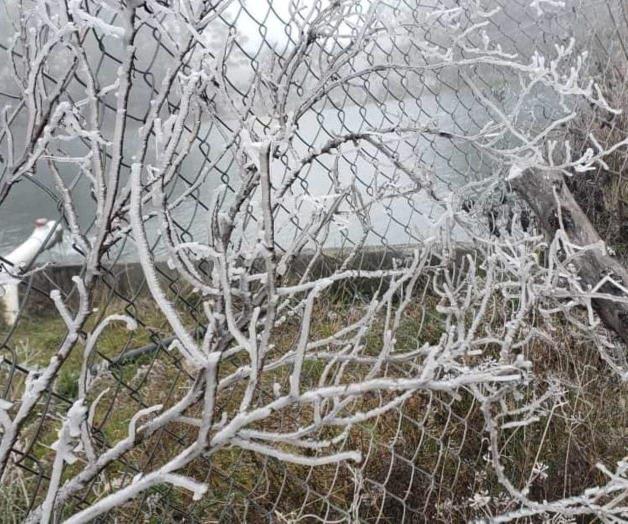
426, 460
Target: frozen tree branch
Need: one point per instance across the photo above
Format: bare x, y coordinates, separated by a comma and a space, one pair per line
260, 374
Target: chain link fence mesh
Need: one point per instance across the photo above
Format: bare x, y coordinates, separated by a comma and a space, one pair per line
424, 461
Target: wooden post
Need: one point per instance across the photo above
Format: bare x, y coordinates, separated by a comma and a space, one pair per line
539, 190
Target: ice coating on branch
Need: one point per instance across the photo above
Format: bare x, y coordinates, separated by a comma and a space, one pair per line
515, 172
70, 430
251, 148
95, 22
537, 5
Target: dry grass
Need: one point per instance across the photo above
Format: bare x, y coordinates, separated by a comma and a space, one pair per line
603, 193
422, 461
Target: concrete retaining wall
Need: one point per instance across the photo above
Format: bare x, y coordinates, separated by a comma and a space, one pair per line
126, 281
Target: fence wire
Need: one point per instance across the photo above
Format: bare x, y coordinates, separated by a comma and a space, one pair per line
424, 461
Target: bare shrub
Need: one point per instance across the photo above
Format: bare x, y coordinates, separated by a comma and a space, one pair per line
287, 370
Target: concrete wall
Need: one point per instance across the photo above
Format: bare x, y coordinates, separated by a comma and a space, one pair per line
126, 281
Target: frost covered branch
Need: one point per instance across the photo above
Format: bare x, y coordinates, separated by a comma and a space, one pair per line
237, 178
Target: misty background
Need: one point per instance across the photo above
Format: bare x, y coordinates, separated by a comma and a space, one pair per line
260, 32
